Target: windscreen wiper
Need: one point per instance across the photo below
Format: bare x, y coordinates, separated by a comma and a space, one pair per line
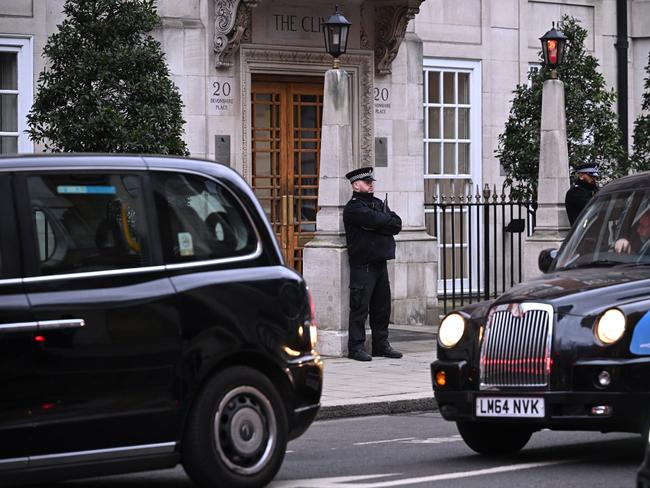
598, 263
637, 263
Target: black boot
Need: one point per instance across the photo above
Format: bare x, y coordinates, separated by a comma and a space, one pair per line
387, 351
360, 355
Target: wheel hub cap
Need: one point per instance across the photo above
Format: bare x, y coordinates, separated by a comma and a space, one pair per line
245, 430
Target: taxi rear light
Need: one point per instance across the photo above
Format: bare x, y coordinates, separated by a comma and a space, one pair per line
313, 328
312, 308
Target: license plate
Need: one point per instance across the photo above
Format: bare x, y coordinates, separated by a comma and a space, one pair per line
510, 407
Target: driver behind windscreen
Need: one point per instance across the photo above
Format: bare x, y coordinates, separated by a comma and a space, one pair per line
639, 241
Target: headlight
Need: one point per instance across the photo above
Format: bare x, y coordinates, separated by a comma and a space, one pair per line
451, 330
610, 326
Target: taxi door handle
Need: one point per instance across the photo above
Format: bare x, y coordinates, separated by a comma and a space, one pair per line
42, 325
61, 324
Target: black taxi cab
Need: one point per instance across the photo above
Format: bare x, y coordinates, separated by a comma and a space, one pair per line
569, 350
146, 319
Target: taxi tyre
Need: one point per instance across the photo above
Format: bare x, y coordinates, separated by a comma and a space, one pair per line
237, 432
494, 439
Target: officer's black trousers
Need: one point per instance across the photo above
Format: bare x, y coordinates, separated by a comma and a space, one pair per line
369, 293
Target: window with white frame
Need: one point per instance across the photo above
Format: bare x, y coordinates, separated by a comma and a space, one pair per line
16, 90
452, 152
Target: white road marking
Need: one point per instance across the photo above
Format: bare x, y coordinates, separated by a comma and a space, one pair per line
413, 440
333, 482
435, 440
462, 474
324, 423
383, 442
362, 481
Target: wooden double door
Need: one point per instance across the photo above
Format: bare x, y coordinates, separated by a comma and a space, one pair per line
286, 135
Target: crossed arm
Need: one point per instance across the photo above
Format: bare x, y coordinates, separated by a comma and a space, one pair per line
368, 218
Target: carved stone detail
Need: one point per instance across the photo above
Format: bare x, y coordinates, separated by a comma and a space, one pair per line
366, 110
247, 36
231, 24
365, 42
390, 28
311, 60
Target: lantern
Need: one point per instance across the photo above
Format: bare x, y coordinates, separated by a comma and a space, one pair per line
553, 44
336, 30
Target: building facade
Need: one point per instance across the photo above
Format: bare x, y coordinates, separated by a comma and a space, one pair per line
431, 83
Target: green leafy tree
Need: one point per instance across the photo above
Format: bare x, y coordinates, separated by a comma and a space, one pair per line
641, 155
107, 87
592, 130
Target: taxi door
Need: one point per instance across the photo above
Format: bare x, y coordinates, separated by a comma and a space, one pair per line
17, 332
109, 337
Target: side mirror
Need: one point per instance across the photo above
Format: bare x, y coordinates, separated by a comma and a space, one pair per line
545, 259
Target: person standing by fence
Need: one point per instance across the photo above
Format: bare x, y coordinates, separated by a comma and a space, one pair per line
584, 188
369, 229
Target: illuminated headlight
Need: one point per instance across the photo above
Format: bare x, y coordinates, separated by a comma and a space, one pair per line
610, 326
451, 330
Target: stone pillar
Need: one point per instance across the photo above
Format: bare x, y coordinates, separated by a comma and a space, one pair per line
414, 272
552, 223
325, 259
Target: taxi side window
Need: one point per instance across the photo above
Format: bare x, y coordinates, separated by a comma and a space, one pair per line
89, 222
199, 219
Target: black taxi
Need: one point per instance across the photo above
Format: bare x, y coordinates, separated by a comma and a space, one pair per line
146, 319
569, 350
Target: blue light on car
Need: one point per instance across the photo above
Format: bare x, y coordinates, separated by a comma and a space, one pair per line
640, 343
86, 190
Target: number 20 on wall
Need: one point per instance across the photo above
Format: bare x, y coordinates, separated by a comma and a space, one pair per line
382, 94
221, 89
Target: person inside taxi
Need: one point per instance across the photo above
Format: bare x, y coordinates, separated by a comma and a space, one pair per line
639, 242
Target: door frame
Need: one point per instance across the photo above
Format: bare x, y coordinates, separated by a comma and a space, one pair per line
289, 190
296, 62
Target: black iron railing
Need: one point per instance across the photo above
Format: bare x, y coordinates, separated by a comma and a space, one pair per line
480, 239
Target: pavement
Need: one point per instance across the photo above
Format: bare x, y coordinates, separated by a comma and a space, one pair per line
382, 386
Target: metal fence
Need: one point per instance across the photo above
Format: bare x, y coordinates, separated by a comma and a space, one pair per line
480, 239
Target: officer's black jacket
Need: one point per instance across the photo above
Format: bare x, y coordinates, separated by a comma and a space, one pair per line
577, 198
369, 229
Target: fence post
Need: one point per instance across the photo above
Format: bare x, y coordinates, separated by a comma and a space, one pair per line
486, 242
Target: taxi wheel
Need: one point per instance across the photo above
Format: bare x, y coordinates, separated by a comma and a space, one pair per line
494, 439
236, 434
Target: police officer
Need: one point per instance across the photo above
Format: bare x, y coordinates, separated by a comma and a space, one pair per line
582, 191
369, 229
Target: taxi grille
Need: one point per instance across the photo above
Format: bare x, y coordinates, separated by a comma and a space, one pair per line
516, 348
